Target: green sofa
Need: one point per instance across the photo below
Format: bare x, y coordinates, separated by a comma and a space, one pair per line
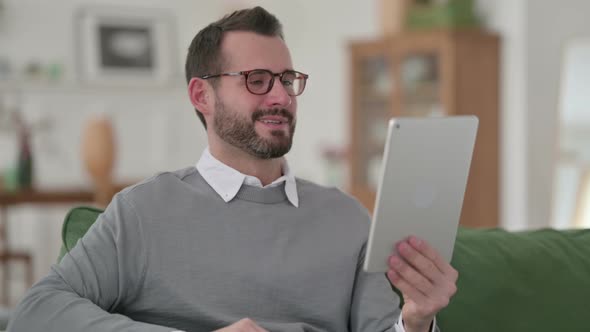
527, 281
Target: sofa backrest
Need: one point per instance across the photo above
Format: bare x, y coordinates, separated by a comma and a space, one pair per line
523, 281
75, 225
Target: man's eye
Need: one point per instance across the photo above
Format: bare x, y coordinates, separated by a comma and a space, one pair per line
256, 82
287, 83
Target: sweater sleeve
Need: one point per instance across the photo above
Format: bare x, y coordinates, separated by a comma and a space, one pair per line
94, 282
375, 306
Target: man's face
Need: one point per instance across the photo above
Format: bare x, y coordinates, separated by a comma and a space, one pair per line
261, 125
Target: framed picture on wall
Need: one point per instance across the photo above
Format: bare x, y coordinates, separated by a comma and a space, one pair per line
124, 46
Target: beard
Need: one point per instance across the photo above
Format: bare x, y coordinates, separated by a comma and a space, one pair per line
239, 131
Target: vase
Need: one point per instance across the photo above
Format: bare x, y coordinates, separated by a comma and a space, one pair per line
98, 155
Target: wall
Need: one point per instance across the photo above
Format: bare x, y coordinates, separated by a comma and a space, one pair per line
533, 35
317, 48
143, 116
508, 19
549, 26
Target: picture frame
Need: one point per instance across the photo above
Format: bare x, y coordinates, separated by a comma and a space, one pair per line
125, 46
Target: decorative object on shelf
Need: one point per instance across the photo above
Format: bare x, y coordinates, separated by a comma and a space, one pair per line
19, 175
25, 155
98, 154
125, 46
9, 180
33, 71
442, 14
393, 14
54, 71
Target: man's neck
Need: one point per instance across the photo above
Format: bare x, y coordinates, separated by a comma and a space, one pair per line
266, 170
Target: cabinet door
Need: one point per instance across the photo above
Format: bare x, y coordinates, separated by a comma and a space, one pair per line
371, 109
421, 66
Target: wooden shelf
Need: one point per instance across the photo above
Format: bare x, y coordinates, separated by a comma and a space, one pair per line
45, 197
62, 196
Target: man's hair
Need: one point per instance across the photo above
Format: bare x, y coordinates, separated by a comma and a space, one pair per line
204, 54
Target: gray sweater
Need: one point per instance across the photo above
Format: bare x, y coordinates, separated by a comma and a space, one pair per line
169, 254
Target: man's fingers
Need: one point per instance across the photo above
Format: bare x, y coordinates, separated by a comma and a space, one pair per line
420, 262
425, 249
413, 277
405, 287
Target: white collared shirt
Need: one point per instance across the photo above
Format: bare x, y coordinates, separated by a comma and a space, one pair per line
227, 181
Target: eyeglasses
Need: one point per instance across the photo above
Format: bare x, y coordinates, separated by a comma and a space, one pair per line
260, 81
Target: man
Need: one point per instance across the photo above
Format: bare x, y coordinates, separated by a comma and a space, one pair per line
237, 243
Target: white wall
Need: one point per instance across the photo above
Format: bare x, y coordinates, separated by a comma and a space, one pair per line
148, 120
533, 35
549, 25
508, 19
43, 31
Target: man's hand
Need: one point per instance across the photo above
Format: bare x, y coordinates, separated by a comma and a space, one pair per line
425, 279
243, 325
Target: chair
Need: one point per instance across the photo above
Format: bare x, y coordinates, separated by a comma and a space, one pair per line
8, 255
76, 224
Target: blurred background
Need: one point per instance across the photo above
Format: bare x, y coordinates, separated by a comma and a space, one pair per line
92, 98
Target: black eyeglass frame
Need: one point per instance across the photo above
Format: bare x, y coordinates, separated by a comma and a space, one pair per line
271, 83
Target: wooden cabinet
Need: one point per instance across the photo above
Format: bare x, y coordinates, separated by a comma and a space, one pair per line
429, 73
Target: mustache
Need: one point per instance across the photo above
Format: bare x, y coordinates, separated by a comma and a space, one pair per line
275, 111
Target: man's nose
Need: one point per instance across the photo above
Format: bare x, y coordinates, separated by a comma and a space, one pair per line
278, 96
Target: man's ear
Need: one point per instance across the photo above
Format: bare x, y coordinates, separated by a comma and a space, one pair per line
200, 94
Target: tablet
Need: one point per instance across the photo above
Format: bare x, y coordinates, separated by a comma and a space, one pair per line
423, 178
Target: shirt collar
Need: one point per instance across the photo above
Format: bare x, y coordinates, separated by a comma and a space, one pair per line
227, 181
